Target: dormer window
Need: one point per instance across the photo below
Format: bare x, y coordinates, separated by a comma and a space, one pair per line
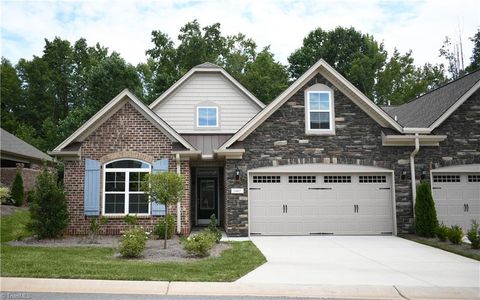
319, 115
207, 116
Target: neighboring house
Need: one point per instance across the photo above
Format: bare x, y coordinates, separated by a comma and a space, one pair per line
320, 159
18, 155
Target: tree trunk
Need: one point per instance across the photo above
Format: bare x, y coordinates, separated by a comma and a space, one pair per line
166, 230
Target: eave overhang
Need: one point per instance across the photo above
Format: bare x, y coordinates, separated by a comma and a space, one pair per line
409, 140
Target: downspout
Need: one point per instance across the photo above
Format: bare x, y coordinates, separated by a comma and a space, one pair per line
412, 169
179, 206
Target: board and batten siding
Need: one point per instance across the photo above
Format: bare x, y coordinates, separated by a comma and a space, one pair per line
207, 89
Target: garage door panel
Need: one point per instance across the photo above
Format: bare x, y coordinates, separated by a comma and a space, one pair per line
323, 207
457, 199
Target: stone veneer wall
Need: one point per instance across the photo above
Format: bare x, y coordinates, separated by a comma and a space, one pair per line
126, 134
281, 140
462, 145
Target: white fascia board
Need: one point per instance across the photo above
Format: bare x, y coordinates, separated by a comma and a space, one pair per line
185, 77
112, 107
455, 106
416, 130
230, 153
283, 97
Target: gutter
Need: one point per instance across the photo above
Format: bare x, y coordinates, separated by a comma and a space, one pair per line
412, 170
179, 206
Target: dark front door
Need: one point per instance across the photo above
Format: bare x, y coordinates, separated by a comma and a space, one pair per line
207, 199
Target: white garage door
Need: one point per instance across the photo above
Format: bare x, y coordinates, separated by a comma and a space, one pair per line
457, 197
320, 203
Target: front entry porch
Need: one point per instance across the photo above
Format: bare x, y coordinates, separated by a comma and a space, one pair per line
207, 194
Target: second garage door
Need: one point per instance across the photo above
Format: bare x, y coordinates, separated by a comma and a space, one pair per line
329, 202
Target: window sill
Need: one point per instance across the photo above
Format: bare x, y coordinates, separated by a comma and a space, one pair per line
314, 132
142, 216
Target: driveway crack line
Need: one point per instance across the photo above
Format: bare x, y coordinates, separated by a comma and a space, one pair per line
168, 288
400, 293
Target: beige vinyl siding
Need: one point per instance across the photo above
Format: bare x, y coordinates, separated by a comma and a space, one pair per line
207, 89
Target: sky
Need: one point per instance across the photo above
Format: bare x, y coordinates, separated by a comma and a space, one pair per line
126, 26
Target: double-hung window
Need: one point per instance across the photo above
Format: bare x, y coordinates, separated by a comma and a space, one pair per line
207, 116
319, 114
123, 180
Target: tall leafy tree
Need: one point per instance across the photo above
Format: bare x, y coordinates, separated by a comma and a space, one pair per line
402, 80
475, 58
265, 77
355, 55
10, 94
236, 53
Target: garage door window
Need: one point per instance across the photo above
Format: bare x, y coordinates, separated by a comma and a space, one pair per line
473, 178
302, 179
446, 178
337, 179
372, 179
266, 179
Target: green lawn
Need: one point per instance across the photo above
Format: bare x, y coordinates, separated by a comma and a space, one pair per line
14, 227
98, 263
462, 249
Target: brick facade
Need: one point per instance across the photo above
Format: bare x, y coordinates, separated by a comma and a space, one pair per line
126, 134
281, 140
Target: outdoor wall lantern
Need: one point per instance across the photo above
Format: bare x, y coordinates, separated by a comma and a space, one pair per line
237, 174
404, 174
423, 175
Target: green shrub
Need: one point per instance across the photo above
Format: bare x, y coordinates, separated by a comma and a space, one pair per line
5, 195
212, 227
131, 220
455, 234
199, 245
442, 232
425, 215
95, 226
133, 242
48, 210
18, 193
159, 229
473, 235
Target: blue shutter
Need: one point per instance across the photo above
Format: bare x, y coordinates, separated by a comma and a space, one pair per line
159, 166
91, 191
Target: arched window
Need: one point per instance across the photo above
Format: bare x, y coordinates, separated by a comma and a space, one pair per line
122, 180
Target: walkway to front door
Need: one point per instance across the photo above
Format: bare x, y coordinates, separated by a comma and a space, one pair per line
359, 260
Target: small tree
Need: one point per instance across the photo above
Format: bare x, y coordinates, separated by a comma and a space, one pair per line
165, 188
48, 210
18, 194
426, 221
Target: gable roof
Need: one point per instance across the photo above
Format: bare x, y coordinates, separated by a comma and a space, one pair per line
335, 78
12, 146
113, 106
206, 67
436, 105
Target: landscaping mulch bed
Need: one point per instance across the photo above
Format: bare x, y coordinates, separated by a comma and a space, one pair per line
463, 249
7, 210
154, 251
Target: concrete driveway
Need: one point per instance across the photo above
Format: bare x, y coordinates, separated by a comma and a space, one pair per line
360, 260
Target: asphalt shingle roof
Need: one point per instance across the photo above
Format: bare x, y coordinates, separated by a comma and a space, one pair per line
12, 144
426, 109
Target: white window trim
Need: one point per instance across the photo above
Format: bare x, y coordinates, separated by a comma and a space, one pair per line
198, 117
320, 89
127, 186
